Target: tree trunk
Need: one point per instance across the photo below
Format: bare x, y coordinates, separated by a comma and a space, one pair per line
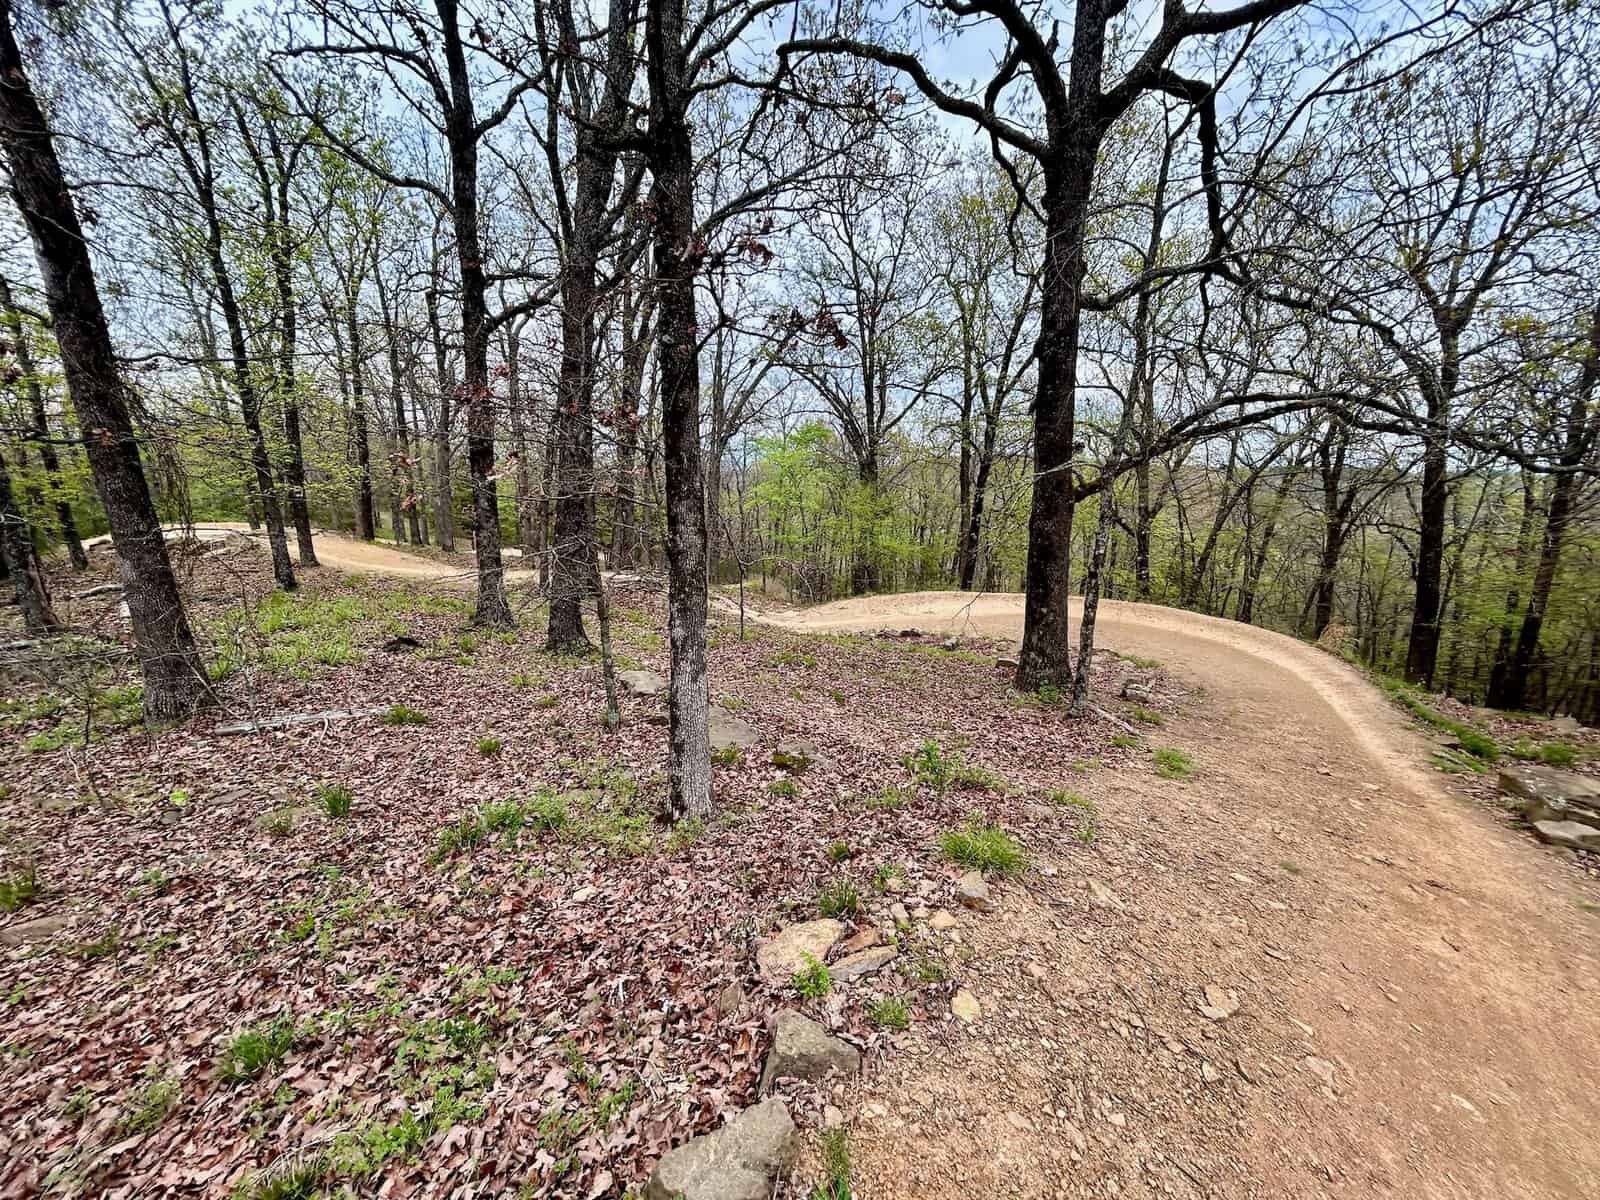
366, 521
677, 257
65, 522
174, 678
22, 563
444, 502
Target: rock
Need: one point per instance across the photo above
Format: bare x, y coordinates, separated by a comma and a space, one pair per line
942, 920
585, 894
1550, 794
1320, 1067
1219, 1005
641, 683
1571, 834
802, 1049
965, 1008
950, 643
898, 913
973, 892
1208, 1073
866, 936
1037, 971
781, 955
863, 962
1102, 897
911, 633
740, 1161
896, 885
1133, 689
730, 999
1565, 725
1005, 664
728, 731
796, 757
40, 929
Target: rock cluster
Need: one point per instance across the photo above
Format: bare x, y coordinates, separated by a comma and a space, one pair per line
1562, 806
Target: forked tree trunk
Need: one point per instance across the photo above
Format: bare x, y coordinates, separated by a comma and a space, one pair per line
175, 682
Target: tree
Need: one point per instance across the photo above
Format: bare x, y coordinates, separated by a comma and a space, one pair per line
175, 683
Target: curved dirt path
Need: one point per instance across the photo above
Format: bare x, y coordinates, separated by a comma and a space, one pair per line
1445, 966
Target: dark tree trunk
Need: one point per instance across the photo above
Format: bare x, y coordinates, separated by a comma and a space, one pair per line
677, 257
461, 135
1578, 442
174, 678
444, 502
626, 540
517, 402
65, 522
22, 563
360, 435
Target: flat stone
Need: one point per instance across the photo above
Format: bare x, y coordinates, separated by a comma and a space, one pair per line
740, 1161
863, 962
796, 757
898, 913
965, 1008
942, 920
1320, 1067
24, 933
1219, 1004
866, 936
641, 683
730, 999
1551, 794
1101, 896
1005, 664
1135, 690
802, 1049
781, 955
728, 731
1571, 834
973, 892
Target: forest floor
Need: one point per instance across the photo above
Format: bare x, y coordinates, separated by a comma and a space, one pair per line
220, 979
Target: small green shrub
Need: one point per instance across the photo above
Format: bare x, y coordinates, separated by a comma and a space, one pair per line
466, 832
504, 816
1173, 764
19, 888
254, 1050
404, 714
784, 788
889, 799
278, 822
886, 872
812, 980
149, 1106
1147, 716
930, 765
1124, 741
335, 799
838, 851
984, 847
839, 897
548, 700
1050, 693
489, 747
548, 811
104, 946
835, 1183
889, 1012
728, 756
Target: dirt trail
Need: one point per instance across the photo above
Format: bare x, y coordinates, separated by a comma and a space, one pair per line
1445, 965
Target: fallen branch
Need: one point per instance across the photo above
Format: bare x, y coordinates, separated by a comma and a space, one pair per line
284, 722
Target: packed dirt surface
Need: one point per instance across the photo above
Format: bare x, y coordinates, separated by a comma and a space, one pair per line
1417, 988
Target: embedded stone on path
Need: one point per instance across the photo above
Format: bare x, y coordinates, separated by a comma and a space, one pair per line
965, 1008
802, 1049
1571, 834
863, 962
728, 732
641, 683
741, 1161
973, 892
40, 929
1552, 795
797, 757
1219, 1004
942, 921
780, 956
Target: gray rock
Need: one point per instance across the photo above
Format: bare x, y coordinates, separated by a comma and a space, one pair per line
973, 892
728, 731
641, 683
781, 955
1566, 725
1550, 794
40, 929
1135, 690
1005, 664
1571, 834
862, 962
740, 1161
802, 1049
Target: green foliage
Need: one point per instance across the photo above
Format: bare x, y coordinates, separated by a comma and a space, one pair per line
335, 800
685, 834
940, 770
839, 897
1147, 716
1173, 764
1479, 745
784, 788
1088, 813
1124, 741
889, 799
149, 1105
104, 946
257, 1049
466, 832
404, 714
835, 1183
489, 747
812, 980
278, 822
19, 887
838, 851
889, 1012
885, 873
984, 847
728, 756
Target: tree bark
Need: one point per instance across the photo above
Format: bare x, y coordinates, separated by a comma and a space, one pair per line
22, 564
677, 257
444, 502
175, 682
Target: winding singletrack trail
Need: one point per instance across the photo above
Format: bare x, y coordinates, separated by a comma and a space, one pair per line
1419, 986
1445, 965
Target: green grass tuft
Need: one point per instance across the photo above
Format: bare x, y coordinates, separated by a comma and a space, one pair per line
257, 1049
1173, 764
489, 747
812, 979
984, 847
839, 897
889, 1012
404, 714
19, 888
335, 799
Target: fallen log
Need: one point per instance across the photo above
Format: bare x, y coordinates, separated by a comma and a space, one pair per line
292, 719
